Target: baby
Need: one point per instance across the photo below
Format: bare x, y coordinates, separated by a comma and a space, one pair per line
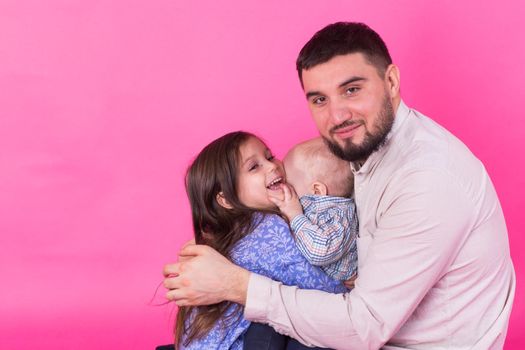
322, 218
321, 214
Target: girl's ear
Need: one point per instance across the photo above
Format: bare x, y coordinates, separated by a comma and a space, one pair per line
222, 201
319, 188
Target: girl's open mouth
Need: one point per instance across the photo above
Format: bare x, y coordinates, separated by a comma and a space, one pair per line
275, 184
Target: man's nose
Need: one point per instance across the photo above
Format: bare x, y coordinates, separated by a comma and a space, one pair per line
339, 111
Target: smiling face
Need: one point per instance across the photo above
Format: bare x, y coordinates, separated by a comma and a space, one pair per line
351, 104
259, 171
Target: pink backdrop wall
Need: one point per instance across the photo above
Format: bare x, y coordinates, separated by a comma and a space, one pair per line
103, 104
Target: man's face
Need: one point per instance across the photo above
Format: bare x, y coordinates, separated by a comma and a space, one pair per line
350, 104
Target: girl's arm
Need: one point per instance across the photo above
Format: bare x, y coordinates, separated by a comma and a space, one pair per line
271, 251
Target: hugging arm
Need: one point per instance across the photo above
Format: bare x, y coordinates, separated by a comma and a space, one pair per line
204, 277
414, 243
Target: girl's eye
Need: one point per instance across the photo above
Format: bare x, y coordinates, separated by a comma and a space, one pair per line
270, 158
253, 167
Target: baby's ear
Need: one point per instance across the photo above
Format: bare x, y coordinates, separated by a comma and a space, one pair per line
223, 202
319, 188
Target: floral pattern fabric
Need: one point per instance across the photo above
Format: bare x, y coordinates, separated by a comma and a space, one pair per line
268, 250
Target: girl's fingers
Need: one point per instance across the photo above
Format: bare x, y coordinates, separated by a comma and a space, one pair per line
287, 192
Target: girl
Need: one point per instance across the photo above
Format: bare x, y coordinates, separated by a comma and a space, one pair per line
228, 185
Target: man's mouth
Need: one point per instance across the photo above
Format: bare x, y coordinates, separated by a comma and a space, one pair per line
346, 131
275, 184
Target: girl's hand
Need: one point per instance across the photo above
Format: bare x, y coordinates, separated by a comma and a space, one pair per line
287, 201
350, 283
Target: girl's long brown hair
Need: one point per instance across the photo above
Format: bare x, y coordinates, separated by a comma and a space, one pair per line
214, 170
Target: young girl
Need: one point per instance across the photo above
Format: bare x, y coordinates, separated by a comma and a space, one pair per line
228, 185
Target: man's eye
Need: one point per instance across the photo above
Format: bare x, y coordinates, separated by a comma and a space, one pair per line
319, 100
351, 90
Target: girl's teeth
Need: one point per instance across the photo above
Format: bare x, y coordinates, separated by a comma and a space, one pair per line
275, 182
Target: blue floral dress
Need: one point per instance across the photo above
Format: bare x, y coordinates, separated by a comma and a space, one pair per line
270, 251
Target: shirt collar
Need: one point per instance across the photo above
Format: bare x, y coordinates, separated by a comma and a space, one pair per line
401, 115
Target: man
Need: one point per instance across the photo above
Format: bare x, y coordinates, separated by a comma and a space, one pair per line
434, 264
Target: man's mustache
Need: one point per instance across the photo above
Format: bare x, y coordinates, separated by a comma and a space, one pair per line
345, 124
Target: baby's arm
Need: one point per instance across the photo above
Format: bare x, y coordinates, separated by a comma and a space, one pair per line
326, 245
320, 246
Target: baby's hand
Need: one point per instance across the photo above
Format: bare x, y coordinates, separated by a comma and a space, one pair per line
287, 202
350, 283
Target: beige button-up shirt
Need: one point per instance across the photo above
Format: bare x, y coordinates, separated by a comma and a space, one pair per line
434, 265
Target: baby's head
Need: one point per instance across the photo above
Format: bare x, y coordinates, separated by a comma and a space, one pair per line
312, 169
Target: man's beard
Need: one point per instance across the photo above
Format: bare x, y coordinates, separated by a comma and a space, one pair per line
372, 141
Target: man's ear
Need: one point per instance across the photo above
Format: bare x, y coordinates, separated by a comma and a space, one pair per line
319, 188
392, 79
222, 201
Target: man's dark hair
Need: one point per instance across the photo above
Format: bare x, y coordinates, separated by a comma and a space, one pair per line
344, 38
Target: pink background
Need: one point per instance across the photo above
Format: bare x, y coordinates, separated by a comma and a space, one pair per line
104, 103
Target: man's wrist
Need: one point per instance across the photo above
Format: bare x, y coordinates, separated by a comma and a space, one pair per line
238, 289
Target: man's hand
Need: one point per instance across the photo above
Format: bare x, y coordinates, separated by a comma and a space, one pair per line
287, 202
204, 277
186, 258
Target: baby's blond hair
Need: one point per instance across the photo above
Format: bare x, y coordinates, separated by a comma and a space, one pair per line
316, 163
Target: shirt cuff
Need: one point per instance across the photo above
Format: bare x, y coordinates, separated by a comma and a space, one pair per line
298, 222
259, 292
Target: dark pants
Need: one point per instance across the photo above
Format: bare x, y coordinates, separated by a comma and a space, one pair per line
263, 337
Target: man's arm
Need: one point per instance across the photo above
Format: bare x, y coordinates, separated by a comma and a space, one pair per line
416, 240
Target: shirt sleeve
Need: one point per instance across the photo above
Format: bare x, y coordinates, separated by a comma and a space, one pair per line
417, 237
327, 242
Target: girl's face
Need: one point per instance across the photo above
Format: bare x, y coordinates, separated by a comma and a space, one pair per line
259, 172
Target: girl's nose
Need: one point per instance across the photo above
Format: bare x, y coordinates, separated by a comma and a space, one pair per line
271, 165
